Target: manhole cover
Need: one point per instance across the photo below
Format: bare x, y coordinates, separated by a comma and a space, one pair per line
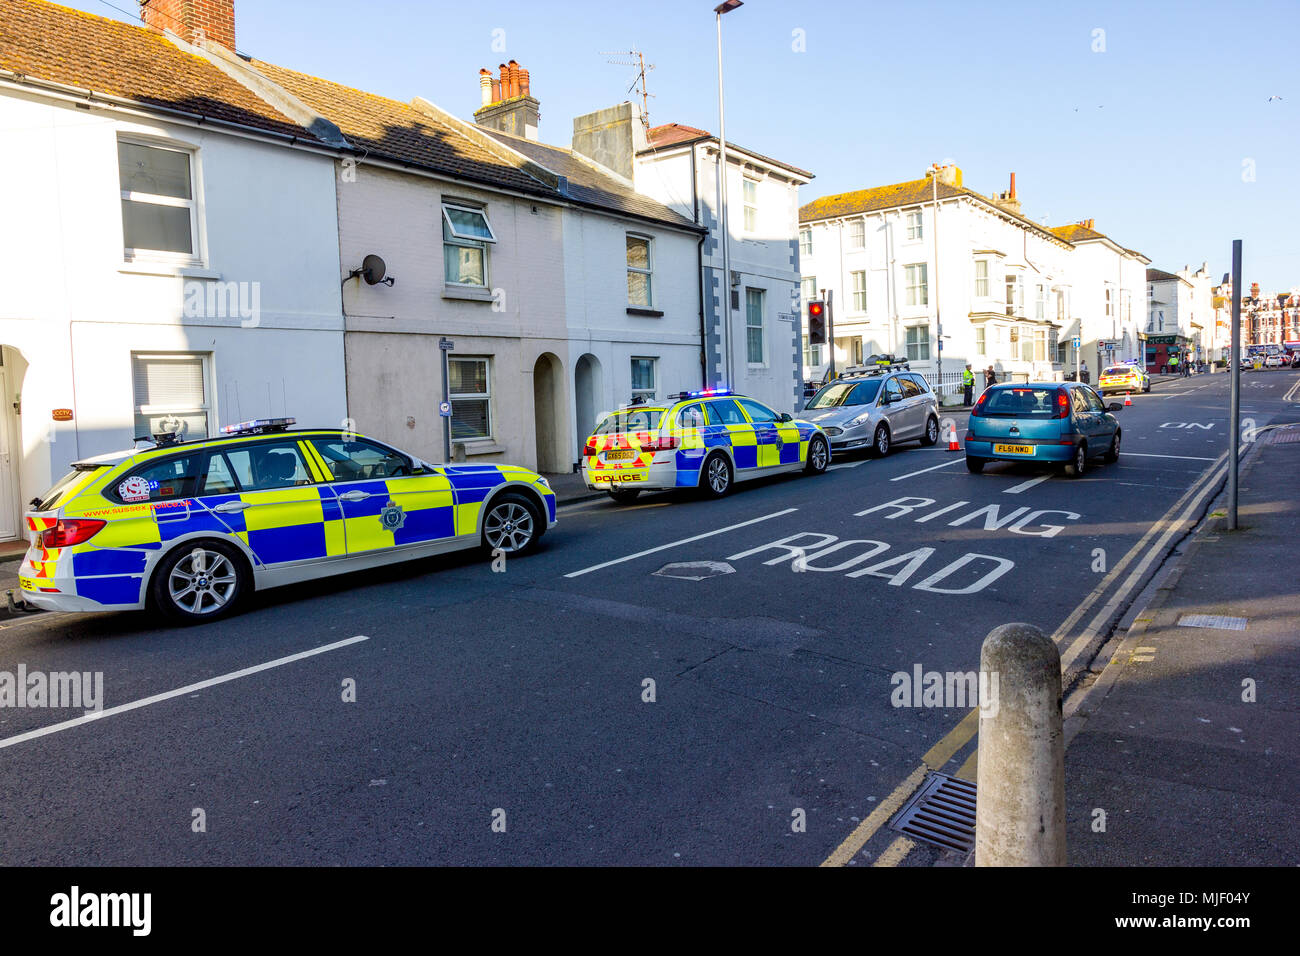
695, 570
942, 813
1213, 620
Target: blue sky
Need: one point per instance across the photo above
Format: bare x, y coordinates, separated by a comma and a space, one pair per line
1155, 137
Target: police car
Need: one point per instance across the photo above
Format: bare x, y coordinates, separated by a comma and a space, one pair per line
706, 439
1124, 377
192, 527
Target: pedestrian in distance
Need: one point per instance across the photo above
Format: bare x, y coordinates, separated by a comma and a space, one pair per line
1083, 371
967, 386
990, 377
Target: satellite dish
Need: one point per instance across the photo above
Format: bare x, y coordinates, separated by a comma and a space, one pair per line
373, 269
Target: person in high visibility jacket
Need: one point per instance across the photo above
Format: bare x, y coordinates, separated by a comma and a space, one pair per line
968, 386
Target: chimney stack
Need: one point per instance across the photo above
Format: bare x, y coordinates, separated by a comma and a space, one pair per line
193, 20
508, 104
1008, 200
947, 174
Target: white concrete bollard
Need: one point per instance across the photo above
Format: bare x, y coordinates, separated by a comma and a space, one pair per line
1020, 780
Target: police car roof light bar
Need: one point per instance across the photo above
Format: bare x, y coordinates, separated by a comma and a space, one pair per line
258, 426
704, 393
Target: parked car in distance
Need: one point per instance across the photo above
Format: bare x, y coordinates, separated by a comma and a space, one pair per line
876, 406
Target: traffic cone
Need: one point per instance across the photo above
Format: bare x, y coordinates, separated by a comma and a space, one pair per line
952, 438
1128, 398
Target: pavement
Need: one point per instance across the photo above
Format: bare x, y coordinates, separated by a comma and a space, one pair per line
1187, 752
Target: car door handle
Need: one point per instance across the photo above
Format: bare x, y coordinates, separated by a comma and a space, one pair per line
226, 507
354, 496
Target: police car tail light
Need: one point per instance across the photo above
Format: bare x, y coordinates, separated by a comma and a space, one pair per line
664, 443
589, 449
69, 531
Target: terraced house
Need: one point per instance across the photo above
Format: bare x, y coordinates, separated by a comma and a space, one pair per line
278, 243
171, 239
942, 275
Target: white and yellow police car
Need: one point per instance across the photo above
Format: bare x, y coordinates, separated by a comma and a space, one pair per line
193, 527
706, 439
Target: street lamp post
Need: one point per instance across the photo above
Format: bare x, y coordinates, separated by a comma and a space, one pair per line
725, 7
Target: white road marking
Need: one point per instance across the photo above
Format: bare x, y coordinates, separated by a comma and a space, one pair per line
1137, 454
1025, 485
847, 464
95, 715
911, 474
673, 544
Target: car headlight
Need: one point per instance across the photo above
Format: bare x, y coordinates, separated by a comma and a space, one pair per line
543, 481
861, 419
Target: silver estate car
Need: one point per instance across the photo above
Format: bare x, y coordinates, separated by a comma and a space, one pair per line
875, 408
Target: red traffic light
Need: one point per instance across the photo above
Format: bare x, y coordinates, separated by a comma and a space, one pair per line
816, 322
816, 309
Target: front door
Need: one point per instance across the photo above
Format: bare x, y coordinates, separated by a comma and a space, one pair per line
767, 437
8, 503
384, 505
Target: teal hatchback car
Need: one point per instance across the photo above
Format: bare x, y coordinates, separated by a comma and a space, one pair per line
1056, 423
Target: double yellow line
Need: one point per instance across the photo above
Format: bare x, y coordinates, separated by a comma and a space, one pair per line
1151, 544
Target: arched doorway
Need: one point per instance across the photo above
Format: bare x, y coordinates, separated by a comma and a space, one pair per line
548, 409
587, 389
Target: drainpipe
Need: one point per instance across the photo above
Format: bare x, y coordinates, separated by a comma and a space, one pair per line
699, 272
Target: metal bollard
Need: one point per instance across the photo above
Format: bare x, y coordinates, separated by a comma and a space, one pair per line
1020, 802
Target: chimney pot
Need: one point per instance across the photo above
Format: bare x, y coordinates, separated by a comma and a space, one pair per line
1013, 185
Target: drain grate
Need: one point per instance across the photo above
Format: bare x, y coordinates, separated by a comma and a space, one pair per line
1283, 436
1220, 621
942, 813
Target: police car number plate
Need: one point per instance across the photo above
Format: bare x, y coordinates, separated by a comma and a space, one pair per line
620, 455
1013, 449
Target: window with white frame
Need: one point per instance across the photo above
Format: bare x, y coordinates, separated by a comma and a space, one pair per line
466, 234
982, 278
981, 347
914, 278
809, 291
805, 241
1110, 301
915, 230
755, 340
1040, 345
470, 385
1015, 296
159, 213
857, 234
812, 354
1040, 301
918, 343
859, 291
171, 393
751, 204
640, 271
643, 377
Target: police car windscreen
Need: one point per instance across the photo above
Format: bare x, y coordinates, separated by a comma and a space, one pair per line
838, 394
1118, 370
1018, 403
638, 420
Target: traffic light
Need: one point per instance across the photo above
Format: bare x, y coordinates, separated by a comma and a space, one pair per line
816, 322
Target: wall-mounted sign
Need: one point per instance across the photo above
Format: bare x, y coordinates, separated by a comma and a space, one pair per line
61, 414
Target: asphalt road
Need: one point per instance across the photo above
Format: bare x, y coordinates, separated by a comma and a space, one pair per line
519, 698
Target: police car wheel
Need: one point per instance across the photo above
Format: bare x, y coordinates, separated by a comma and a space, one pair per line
931, 432
624, 496
715, 476
200, 581
511, 525
819, 456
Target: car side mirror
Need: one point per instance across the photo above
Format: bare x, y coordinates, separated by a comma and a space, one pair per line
1114, 406
786, 417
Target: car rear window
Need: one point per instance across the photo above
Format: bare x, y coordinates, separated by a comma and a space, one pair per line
1118, 370
66, 487
838, 394
631, 420
1026, 402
